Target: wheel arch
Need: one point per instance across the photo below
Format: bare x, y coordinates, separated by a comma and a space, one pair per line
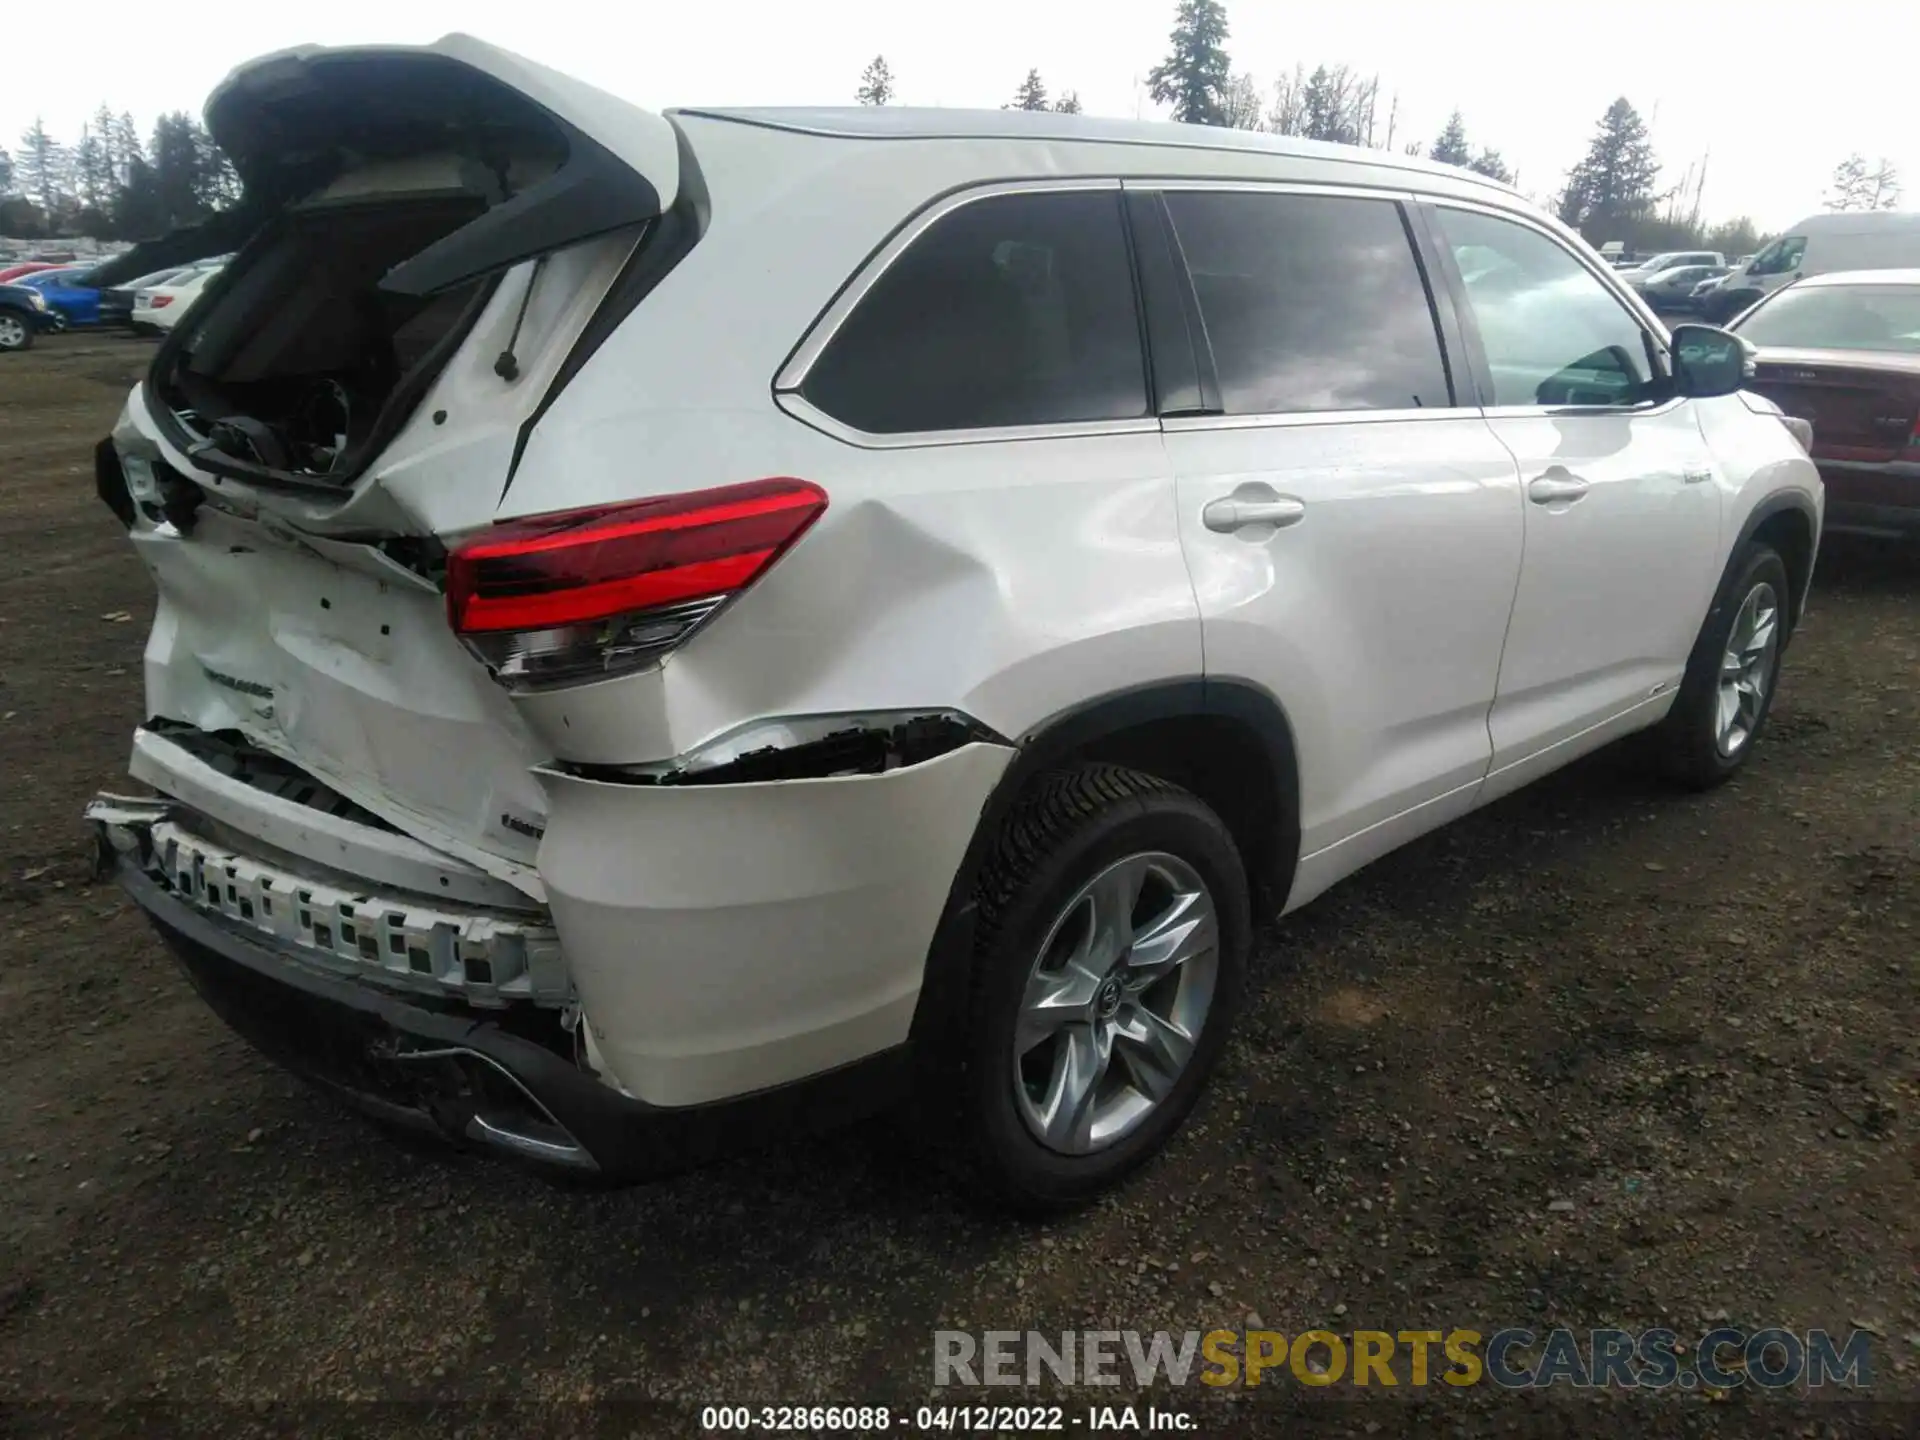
1202, 734
1788, 521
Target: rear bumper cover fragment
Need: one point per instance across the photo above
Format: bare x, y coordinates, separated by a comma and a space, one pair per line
394, 938
463, 1076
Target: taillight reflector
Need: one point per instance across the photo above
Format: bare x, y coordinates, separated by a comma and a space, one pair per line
160, 302
616, 586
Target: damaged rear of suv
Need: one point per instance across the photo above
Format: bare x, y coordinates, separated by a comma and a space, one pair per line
425, 822
675, 625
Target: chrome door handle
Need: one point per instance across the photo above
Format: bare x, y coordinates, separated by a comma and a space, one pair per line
1229, 513
1556, 489
1696, 477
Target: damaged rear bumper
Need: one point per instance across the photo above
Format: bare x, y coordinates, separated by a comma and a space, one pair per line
446, 1068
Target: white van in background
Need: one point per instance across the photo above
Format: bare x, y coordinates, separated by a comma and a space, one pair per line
1848, 240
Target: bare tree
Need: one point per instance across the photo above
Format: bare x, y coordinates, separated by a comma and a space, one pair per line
1241, 103
1883, 191
1289, 113
1337, 104
1850, 185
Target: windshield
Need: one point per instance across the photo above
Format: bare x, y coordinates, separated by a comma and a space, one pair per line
1839, 317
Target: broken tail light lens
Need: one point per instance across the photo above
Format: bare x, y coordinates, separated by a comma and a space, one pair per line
584, 594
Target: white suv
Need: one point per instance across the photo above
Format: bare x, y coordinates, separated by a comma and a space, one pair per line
673, 625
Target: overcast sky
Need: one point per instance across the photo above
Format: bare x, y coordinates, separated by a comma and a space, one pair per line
1776, 96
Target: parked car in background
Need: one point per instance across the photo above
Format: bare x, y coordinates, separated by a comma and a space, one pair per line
117, 301
853, 634
69, 291
1820, 245
1672, 291
1668, 260
24, 314
158, 308
1843, 351
10, 273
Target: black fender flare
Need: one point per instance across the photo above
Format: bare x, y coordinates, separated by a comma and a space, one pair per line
948, 971
1777, 503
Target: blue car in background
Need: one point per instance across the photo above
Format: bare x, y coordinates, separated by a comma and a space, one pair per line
67, 293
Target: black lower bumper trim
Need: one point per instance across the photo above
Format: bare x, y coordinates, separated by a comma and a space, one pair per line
457, 1073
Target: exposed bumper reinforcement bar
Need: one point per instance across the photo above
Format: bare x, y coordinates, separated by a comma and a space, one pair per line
462, 1075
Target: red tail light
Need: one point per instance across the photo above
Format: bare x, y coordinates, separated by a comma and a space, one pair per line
160, 302
587, 593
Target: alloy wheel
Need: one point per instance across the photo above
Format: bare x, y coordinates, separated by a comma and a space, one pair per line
1115, 1003
13, 333
1746, 669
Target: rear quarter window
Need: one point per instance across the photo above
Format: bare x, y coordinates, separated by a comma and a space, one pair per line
1011, 310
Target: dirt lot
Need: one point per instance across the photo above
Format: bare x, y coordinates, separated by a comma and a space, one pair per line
1601, 1055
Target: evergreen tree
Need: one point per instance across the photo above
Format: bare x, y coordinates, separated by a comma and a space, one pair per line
108, 138
215, 182
43, 167
1451, 147
6, 172
1032, 94
1193, 79
93, 170
876, 83
126, 146
1326, 107
1612, 186
1069, 103
138, 212
176, 167
1733, 238
1491, 164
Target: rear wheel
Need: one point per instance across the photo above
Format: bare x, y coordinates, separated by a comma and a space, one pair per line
1727, 691
16, 331
1109, 963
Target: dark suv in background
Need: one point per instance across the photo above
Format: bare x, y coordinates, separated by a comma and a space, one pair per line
24, 314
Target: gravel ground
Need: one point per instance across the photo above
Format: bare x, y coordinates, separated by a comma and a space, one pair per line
1599, 1055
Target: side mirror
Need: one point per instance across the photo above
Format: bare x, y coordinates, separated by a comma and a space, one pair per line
1709, 361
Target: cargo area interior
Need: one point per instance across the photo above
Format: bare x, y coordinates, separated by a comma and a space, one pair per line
387, 193
299, 356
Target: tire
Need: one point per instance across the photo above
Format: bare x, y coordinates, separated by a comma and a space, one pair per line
1696, 745
1092, 826
16, 331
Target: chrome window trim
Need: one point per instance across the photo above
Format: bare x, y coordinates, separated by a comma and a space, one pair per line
793, 374
807, 413
1337, 188
1182, 424
1526, 412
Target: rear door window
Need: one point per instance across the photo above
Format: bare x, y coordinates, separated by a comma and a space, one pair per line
1310, 302
1011, 310
1552, 333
